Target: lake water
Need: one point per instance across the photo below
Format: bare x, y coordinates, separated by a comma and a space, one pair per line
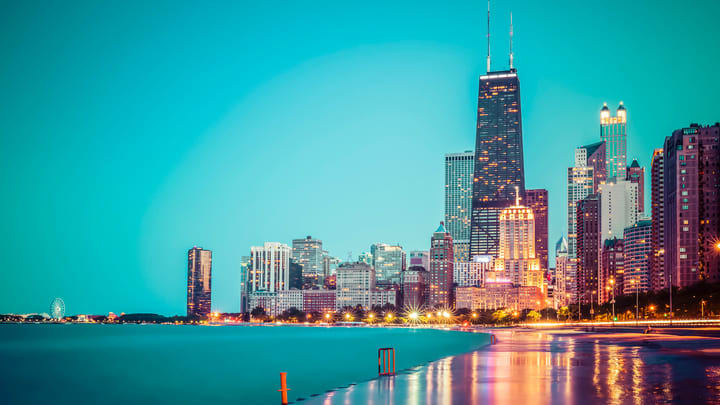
192, 364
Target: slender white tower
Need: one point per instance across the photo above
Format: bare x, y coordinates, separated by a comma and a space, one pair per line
511, 35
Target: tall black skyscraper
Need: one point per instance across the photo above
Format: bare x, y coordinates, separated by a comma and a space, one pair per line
498, 158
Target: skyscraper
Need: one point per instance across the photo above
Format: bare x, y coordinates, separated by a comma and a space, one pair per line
537, 201
458, 200
618, 201
612, 269
692, 205
269, 267
638, 248
657, 202
244, 273
414, 287
613, 131
498, 158
308, 253
440, 288
355, 285
199, 282
580, 184
636, 174
564, 279
388, 261
516, 258
588, 240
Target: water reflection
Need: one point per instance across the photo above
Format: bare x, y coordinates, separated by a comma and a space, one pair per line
532, 368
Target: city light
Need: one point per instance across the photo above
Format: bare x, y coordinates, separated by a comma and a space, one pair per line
413, 315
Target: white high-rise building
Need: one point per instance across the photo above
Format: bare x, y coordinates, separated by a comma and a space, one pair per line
269, 268
466, 274
618, 208
459, 174
564, 275
579, 185
355, 285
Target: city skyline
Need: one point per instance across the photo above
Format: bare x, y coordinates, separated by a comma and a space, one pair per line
122, 196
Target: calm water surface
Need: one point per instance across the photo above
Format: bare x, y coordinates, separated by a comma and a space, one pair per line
129, 364
530, 368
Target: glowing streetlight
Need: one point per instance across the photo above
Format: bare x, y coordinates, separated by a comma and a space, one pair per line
327, 316
413, 315
347, 316
474, 315
389, 317
371, 315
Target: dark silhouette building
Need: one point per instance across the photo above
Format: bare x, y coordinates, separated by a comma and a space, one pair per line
199, 282
588, 243
498, 158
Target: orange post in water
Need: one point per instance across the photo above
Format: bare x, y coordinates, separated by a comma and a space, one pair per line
283, 388
384, 366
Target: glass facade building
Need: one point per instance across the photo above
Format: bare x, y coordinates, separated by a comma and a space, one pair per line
613, 131
458, 200
499, 166
199, 280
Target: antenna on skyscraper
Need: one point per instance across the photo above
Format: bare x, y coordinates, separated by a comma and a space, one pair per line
488, 39
517, 196
511, 35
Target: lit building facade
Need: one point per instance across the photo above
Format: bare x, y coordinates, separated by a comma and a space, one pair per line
588, 245
636, 174
269, 267
355, 284
199, 280
308, 253
613, 131
580, 184
472, 273
440, 289
500, 295
618, 200
388, 261
638, 252
612, 269
322, 301
458, 200
657, 210
517, 259
537, 201
415, 287
499, 166
692, 205
564, 274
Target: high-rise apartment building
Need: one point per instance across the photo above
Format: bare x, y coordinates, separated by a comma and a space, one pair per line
388, 261
458, 200
613, 131
612, 269
564, 274
516, 258
638, 252
618, 200
498, 168
440, 289
692, 205
308, 253
355, 285
588, 244
269, 267
657, 209
244, 282
199, 280
636, 174
472, 273
537, 201
580, 184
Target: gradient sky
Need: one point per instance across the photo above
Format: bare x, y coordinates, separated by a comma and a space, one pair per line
134, 130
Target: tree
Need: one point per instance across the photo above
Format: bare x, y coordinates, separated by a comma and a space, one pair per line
564, 313
533, 316
259, 313
500, 315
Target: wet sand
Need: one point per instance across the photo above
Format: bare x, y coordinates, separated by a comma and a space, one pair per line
529, 367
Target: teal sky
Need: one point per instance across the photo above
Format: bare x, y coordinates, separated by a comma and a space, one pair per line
134, 130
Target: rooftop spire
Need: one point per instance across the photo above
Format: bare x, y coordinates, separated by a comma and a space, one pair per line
511, 35
517, 196
488, 39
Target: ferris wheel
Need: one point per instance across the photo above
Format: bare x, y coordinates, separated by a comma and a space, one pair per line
57, 309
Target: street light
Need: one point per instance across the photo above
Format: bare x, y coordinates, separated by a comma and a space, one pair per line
612, 289
702, 309
636, 286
